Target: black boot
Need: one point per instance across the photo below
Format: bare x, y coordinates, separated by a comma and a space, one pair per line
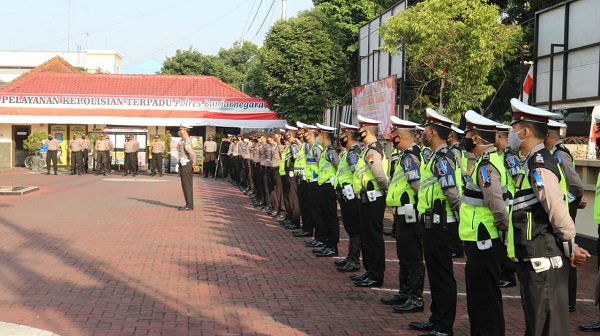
353, 259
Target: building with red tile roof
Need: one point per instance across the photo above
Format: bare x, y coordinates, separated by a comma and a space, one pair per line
57, 96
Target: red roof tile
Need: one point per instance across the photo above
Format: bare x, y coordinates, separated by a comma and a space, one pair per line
122, 85
55, 64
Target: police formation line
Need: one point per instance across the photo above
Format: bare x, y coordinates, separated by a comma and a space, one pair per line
512, 215
81, 148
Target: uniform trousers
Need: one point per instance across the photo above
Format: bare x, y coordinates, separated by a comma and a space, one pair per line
292, 195
103, 163
258, 182
573, 270
209, 164
437, 251
275, 192
409, 249
52, 159
266, 178
76, 161
246, 173
237, 161
350, 216
544, 297
85, 156
157, 163
331, 223
302, 193
484, 299
313, 219
131, 162
371, 236
186, 174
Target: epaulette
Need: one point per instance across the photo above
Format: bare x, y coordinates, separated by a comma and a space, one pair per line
539, 159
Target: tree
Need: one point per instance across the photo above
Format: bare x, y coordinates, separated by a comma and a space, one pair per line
462, 41
34, 141
305, 68
191, 62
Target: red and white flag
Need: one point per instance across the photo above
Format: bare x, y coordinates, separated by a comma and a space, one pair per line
527, 84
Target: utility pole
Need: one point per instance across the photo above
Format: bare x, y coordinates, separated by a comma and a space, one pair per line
68, 23
283, 9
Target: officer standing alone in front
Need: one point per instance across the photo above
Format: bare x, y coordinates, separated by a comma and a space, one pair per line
187, 163
52, 146
157, 147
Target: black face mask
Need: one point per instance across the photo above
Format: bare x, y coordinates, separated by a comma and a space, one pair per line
343, 141
49, 138
361, 136
394, 142
282, 141
468, 144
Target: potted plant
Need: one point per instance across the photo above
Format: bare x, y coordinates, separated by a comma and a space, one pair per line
33, 143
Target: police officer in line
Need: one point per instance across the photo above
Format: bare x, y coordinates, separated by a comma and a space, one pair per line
157, 147
285, 201
438, 204
455, 146
542, 234
299, 155
52, 147
131, 148
76, 146
111, 147
512, 165
187, 163
483, 213
86, 147
370, 183
276, 189
292, 220
102, 160
210, 156
402, 197
327, 165
596, 325
312, 219
565, 160
349, 203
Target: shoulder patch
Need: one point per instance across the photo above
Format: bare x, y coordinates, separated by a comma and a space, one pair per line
411, 168
485, 172
329, 156
536, 180
353, 157
444, 172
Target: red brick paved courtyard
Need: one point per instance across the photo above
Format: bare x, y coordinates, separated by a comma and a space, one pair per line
89, 255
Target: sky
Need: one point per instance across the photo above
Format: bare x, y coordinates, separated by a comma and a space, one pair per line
139, 29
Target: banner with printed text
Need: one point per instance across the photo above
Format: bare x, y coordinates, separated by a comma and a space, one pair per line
377, 101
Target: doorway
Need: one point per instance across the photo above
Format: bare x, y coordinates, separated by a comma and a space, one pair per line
19, 135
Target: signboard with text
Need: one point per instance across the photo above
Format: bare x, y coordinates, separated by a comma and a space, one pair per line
377, 101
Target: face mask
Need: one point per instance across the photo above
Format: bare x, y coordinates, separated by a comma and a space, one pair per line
513, 140
468, 144
344, 141
362, 135
394, 142
49, 138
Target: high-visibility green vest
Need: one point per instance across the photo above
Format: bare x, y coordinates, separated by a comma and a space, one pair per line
597, 202
430, 189
399, 186
284, 153
363, 174
326, 169
300, 160
344, 173
530, 235
311, 170
553, 151
473, 212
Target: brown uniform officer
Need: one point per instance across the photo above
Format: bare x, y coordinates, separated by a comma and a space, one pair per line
187, 163
158, 148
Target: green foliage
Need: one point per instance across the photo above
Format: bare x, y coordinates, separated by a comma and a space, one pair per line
230, 65
465, 37
34, 141
167, 140
305, 68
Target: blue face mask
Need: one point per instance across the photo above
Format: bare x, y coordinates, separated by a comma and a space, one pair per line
513, 140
